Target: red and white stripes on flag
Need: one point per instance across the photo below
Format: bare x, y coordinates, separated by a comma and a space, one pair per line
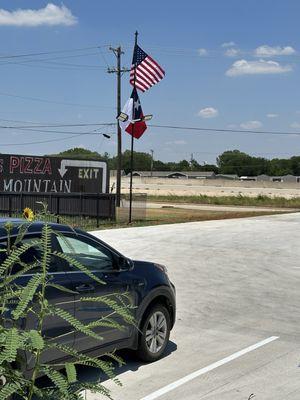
145, 72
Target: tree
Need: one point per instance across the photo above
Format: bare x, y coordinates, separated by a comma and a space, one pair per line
159, 166
237, 162
80, 152
184, 165
141, 161
281, 166
209, 167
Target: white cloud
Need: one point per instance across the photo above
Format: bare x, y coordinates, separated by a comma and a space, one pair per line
208, 112
295, 125
271, 115
244, 67
251, 125
269, 51
202, 52
50, 15
232, 52
228, 44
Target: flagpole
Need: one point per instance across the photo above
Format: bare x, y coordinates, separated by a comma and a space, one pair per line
132, 139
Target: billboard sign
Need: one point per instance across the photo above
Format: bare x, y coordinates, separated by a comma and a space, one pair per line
21, 173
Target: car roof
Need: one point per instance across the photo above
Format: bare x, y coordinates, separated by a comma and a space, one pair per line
32, 227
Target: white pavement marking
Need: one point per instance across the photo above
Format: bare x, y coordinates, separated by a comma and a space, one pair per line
209, 368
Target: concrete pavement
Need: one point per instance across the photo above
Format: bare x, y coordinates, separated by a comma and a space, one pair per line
237, 285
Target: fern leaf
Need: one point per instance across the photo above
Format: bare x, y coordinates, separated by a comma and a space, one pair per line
78, 265
14, 256
74, 322
11, 346
58, 379
112, 304
71, 372
24, 270
96, 388
46, 246
61, 288
106, 322
22, 229
84, 359
8, 390
116, 358
35, 339
27, 295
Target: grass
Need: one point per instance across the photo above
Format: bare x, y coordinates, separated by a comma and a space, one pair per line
169, 214
240, 200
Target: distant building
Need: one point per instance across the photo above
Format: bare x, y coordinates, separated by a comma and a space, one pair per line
248, 178
279, 178
263, 177
290, 178
227, 176
176, 174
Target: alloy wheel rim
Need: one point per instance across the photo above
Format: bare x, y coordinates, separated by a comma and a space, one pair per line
156, 332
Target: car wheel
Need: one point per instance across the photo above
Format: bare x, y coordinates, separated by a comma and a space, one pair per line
155, 333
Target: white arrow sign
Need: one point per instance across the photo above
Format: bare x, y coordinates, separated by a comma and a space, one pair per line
84, 164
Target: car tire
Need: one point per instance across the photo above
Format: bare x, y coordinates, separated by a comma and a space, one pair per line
155, 333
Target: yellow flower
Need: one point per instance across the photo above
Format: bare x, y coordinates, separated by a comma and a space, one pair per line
28, 214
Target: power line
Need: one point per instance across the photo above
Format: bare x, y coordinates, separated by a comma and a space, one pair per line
55, 125
38, 99
38, 142
33, 62
73, 135
243, 131
52, 131
182, 128
52, 52
50, 63
56, 66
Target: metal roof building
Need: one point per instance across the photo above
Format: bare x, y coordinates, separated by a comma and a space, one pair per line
175, 174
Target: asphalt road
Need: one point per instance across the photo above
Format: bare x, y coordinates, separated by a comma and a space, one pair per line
237, 330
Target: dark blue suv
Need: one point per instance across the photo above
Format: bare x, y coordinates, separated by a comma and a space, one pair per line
147, 285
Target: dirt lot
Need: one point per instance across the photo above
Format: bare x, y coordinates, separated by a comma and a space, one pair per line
210, 187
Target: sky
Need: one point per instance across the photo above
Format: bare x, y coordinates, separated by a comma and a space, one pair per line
229, 65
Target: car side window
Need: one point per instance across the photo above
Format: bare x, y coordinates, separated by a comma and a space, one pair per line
92, 255
30, 256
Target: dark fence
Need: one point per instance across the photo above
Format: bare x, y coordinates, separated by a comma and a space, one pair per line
139, 207
79, 209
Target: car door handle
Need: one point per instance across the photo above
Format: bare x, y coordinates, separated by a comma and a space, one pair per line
85, 288
138, 282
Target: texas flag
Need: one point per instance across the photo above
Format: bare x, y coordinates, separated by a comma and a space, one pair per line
134, 111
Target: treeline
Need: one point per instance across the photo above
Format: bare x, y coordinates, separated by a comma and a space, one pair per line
229, 162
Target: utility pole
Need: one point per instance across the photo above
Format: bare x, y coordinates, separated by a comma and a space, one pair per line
152, 151
192, 159
119, 71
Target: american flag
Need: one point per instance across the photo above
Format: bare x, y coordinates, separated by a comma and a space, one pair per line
146, 70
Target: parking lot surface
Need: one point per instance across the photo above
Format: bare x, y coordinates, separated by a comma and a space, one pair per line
238, 310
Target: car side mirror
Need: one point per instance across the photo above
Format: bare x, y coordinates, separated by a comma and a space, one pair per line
124, 264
